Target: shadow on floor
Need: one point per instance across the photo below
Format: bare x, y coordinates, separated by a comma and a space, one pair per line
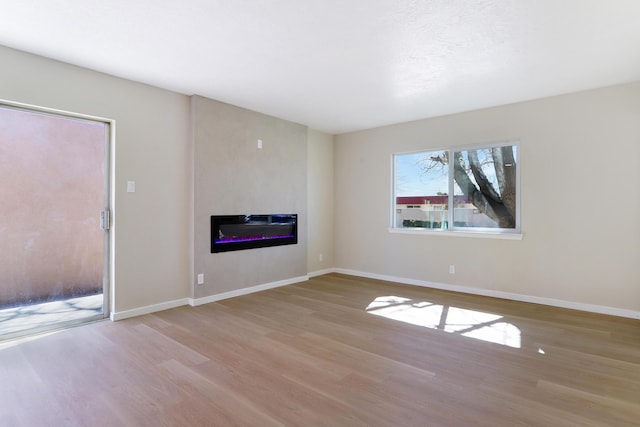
17, 320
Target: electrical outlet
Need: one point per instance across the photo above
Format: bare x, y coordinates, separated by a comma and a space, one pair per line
200, 279
452, 269
320, 258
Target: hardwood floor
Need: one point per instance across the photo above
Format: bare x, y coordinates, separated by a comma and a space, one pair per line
334, 351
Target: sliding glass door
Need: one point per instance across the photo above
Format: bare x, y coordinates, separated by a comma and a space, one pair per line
54, 186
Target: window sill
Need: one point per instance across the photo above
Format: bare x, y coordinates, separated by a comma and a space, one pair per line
451, 233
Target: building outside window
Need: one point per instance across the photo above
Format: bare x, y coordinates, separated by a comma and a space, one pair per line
459, 189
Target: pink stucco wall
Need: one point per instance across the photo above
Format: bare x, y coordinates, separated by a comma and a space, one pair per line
51, 193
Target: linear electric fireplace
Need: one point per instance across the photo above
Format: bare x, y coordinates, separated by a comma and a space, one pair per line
235, 232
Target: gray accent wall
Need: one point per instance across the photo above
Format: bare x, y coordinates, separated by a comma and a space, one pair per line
233, 176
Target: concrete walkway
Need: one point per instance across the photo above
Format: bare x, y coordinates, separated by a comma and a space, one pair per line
36, 317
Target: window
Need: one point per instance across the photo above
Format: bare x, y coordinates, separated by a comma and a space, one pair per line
462, 189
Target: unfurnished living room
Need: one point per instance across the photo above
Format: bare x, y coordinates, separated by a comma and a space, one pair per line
336, 213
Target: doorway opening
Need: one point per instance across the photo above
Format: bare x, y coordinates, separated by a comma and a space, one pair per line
54, 228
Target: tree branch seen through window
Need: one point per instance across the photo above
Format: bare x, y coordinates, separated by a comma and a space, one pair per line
484, 184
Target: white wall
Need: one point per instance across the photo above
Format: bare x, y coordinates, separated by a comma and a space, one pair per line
577, 151
566, 142
157, 245
320, 185
151, 226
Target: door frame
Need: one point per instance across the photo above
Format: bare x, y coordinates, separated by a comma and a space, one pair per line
108, 290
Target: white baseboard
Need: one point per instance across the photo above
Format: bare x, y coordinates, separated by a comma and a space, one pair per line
321, 272
245, 291
600, 309
612, 311
120, 315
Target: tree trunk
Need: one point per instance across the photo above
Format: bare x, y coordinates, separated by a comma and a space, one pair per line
484, 196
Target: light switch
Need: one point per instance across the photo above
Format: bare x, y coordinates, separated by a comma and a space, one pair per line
131, 186
260, 144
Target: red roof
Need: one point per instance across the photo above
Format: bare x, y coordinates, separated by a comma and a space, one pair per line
423, 200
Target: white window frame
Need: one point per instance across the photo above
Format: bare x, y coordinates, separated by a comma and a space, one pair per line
452, 230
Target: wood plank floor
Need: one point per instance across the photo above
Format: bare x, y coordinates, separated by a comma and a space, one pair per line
333, 351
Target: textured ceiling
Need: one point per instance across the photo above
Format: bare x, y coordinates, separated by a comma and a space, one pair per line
341, 65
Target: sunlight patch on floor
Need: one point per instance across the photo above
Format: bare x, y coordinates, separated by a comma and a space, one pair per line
469, 323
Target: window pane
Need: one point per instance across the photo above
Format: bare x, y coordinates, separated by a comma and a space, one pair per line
421, 189
485, 187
